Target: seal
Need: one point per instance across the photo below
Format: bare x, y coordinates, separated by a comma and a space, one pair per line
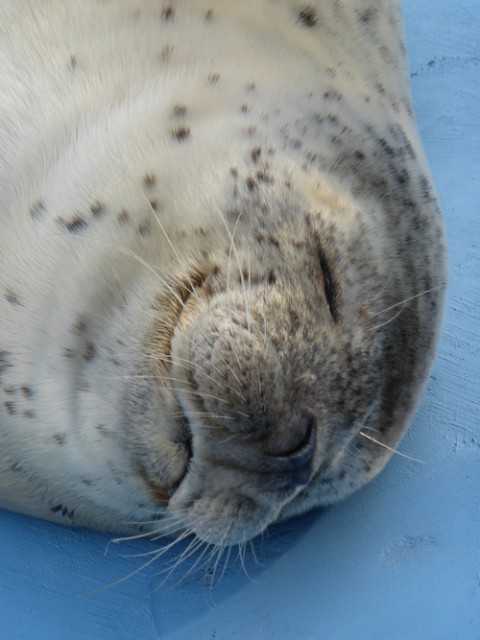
222, 263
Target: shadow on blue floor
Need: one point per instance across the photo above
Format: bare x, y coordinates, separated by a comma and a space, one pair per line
200, 584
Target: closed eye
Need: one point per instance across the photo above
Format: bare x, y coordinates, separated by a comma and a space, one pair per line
329, 284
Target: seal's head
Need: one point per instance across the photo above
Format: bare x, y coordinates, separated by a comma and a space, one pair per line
268, 354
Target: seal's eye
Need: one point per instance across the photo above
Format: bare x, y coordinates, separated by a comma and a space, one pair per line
329, 284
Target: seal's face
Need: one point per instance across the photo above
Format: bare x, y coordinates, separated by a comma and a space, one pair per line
272, 375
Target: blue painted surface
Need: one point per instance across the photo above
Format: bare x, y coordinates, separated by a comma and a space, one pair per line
399, 560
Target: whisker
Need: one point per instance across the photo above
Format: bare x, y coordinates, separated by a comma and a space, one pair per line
403, 302
135, 571
241, 555
385, 446
131, 254
383, 324
218, 550
201, 394
225, 564
191, 550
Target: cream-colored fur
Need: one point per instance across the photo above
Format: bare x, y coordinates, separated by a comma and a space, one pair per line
221, 259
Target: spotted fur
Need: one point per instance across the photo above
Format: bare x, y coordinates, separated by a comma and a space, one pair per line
221, 259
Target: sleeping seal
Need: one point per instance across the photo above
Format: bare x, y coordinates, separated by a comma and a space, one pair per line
222, 262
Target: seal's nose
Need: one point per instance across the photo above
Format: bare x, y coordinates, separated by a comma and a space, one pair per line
295, 466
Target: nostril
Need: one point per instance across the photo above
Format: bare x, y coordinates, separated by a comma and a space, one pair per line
302, 454
187, 441
294, 467
186, 445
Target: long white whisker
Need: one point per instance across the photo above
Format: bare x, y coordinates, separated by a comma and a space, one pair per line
383, 324
131, 254
404, 302
385, 446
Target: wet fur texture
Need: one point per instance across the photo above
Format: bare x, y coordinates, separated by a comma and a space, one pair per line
221, 260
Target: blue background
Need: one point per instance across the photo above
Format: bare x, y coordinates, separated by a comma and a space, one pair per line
401, 559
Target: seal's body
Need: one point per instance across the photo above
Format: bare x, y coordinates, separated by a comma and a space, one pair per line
221, 260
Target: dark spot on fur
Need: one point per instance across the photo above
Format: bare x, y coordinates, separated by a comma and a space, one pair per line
149, 180
12, 298
308, 16
166, 53
59, 438
245, 108
180, 133
336, 141
274, 241
89, 352
28, 414
272, 278
426, 189
123, 216
97, 209
263, 175
80, 326
77, 223
168, 13
27, 391
255, 154
359, 155
154, 204
86, 482
179, 110
209, 15
59, 508
403, 177
332, 94
386, 148
333, 119
234, 172
68, 353
73, 62
37, 208
213, 77
251, 184
4, 361
251, 86
10, 407
145, 227
368, 14
103, 430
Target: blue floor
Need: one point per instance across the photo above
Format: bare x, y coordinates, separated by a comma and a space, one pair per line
399, 560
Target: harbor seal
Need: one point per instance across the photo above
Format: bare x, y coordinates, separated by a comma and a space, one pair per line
222, 263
